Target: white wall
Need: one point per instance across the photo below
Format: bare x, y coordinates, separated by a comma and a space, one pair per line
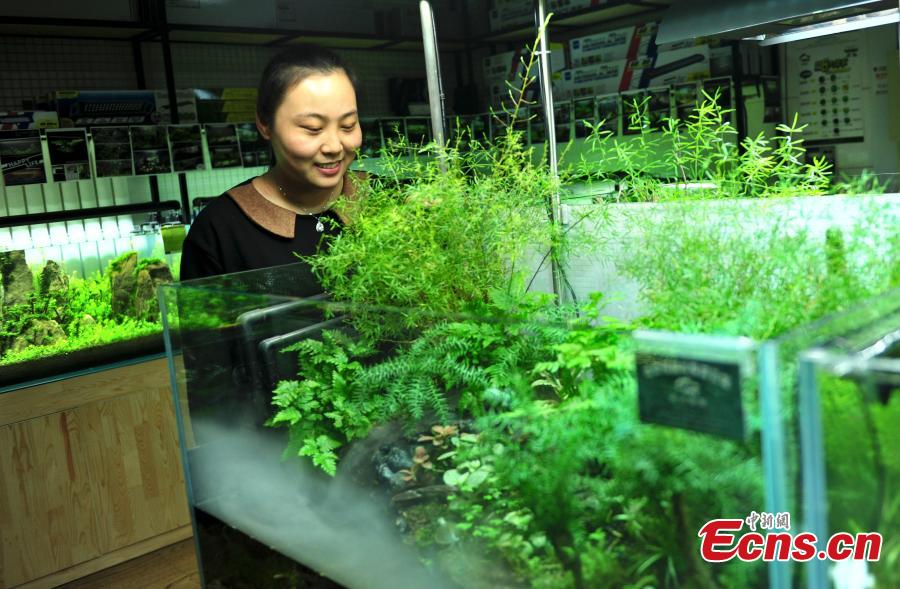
879, 64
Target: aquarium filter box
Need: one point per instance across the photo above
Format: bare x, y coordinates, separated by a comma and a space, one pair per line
599, 78
623, 43
31, 119
670, 67
78, 108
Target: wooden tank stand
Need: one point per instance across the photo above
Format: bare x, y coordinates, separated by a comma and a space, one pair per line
90, 475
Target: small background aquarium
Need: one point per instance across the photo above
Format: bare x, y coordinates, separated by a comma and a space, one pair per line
515, 446
73, 306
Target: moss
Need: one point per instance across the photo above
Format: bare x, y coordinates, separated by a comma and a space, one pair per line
116, 264
147, 262
83, 308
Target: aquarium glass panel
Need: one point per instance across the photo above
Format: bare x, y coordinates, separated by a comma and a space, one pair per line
506, 446
850, 426
79, 306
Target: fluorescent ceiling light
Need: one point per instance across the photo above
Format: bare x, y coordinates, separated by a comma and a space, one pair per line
841, 25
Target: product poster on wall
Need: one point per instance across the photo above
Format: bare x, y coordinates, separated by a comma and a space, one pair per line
68, 154
254, 149
151, 150
112, 151
21, 157
609, 112
562, 117
223, 146
659, 107
583, 110
685, 98
825, 85
187, 147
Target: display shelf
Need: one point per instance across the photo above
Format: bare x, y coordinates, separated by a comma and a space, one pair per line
189, 33
72, 28
611, 13
88, 213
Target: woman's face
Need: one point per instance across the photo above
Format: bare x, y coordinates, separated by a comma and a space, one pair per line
315, 132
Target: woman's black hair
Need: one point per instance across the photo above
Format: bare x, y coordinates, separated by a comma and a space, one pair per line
291, 66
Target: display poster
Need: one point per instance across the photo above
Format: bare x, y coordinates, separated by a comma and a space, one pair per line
609, 112
187, 147
112, 151
150, 146
21, 157
583, 111
224, 151
562, 117
685, 98
68, 154
255, 149
659, 107
825, 85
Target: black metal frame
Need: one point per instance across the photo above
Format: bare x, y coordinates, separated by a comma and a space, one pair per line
90, 213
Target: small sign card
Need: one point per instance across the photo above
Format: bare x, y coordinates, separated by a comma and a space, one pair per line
694, 382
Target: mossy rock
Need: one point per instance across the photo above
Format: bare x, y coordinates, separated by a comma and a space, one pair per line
18, 282
122, 283
38, 332
148, 278
53, 280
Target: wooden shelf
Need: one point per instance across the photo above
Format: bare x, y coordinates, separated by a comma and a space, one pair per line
92, 474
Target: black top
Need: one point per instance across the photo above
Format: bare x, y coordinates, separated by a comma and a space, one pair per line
230, 237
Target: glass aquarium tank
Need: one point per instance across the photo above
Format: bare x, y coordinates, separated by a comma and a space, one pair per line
74, 306
519, 445
849, 419
445, 420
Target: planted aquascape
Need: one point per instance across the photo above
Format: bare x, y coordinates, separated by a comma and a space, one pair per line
501, 423
47, 313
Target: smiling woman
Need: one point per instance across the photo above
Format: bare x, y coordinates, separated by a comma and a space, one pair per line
307, 110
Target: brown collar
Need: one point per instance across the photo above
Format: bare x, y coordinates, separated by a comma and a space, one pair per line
273, 218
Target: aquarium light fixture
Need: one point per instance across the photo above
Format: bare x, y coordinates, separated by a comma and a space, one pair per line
841, 25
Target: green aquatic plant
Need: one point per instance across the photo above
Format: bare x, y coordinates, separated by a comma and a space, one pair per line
453, 368
64, 314
699, 158
866, 182
756, 273
442, 227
